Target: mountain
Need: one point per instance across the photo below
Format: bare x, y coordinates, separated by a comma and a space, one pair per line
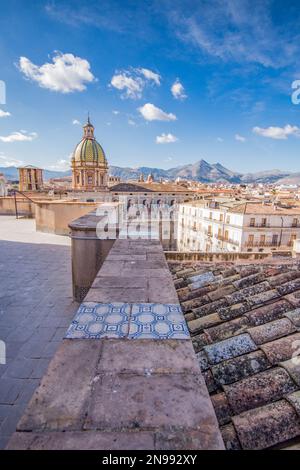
200, 171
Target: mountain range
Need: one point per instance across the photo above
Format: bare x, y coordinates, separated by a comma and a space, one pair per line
201, 171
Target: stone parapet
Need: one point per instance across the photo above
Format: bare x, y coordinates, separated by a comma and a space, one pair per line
134, 386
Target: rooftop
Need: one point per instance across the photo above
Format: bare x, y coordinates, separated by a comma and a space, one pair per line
245, 327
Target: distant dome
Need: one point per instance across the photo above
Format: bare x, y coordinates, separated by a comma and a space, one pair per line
88, 149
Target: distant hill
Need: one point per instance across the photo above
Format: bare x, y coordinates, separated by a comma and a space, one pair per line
201, 171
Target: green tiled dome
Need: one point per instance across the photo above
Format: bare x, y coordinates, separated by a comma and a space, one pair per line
89, 150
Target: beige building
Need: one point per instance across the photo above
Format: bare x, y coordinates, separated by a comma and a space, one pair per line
30, 178
230, 225
89, 164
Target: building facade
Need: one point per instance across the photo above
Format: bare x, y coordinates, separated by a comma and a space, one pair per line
89, 163
216, 226
30, 178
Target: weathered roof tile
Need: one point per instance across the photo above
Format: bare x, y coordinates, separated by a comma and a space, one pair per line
268, 313
202, 279
219, 293
211, 385
292, 366
282, 349
267, 426
247, 291
230, 437
227, 329
200, 341
294, 400
222, 408
229, 348
209, 308
294, 316
263, 297
283, 277
289, 287
233, 311
249, 280
259, 389
202, 360
240, 367
198, 325
272, 330
294, 298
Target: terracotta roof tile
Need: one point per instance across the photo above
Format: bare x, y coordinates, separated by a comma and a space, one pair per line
231, 347
230, 437
227, 329
222, 408
272, 330
264, 427
294, 316
294, 400
281, 349
238, 368
289, 287
247, 291
259, 389
292, 366
249, 319
268, 313
198, 325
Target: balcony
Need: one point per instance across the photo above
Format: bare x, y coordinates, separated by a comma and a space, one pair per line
261, 244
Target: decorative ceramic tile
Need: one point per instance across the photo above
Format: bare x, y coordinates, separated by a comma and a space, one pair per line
157, 321
97, 320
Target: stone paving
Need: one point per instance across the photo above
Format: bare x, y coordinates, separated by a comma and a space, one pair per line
35, 310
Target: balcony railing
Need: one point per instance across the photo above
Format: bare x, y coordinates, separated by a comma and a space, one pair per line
261, 244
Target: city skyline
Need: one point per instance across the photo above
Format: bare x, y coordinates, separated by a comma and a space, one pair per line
166, 84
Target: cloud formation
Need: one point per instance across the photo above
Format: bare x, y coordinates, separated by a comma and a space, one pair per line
166, 139
8, 161
19, 136
65, 74
240, 138
277, 133
177, 90
4, 113
152, 113
132, 82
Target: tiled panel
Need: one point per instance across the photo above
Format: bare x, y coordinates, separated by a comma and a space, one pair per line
157, 321
98, 320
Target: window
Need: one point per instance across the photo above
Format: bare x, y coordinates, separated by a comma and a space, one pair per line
250, 240
295, 223
228, 219
226, 235
210, 215
90, 180
263, 222
262, 240
209, 231
275, 240
219, 232
252, 222
221, 217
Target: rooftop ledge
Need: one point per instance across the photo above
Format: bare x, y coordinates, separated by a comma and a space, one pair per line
126, 375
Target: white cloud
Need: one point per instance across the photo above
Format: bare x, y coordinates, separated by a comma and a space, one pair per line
152, 113
219, 139
133, 82
4, 113
61, 165
19, 136
66, 73
278, 133
132, 87
166, 139
240, 138
149, 75
116, 112
76, 122
8, 161
177, 90
131, 122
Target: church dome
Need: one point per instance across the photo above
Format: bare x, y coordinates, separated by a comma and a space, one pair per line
89, 150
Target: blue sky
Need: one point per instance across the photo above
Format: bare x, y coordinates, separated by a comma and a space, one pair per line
166, 82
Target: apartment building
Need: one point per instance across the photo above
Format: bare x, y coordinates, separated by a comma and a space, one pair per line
237, 225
